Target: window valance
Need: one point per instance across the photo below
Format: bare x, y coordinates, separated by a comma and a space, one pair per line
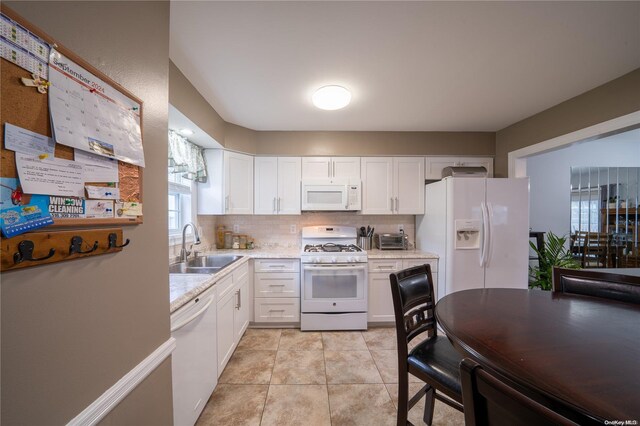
186, 158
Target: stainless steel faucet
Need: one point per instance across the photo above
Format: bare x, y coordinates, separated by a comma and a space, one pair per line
184, 253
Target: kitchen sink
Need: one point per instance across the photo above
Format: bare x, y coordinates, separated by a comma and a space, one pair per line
213, 261
203, 265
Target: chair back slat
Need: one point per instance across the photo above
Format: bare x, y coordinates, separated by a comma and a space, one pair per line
413, 303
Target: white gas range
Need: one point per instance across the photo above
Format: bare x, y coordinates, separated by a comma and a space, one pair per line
334, 279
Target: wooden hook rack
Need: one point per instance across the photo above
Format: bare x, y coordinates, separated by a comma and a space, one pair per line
40, 248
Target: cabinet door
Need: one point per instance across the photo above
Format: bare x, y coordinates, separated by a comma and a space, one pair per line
434, 166
225, 333
210, 193
316, 167
408, 185
377, 185
238, 184
242, 308
345, 167
289, 176
380, 300
265, 185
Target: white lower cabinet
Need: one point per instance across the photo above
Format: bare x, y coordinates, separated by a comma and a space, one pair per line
233, 313
380, 300
277, 293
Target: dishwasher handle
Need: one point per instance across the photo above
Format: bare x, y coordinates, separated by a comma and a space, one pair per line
194, 316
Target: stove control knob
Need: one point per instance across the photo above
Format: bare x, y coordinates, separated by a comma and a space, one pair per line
334, 259
356, 259
352, 259
316, 260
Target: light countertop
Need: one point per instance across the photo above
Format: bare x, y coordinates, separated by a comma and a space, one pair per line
184, 287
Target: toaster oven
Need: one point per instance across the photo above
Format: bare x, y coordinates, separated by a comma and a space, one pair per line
394, 241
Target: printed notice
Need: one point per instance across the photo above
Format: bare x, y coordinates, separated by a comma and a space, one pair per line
51, 176
66, 207
99, 209
20, 219
128, 209
103, 193
90, 115
20, 46
97, 168
27, 142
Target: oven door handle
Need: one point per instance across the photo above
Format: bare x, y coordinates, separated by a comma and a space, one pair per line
329, 267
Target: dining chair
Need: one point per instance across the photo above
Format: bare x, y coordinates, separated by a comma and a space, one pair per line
489, 400
603, 284
433, 360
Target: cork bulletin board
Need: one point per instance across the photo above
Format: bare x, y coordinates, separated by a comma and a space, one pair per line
27, 108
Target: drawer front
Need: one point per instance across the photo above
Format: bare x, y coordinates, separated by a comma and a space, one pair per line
240, 272
277, 310
277, 265
277, 284
410, 263
385, 265
224, 286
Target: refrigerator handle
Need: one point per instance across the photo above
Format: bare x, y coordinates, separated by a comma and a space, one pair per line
487, 256
485, 233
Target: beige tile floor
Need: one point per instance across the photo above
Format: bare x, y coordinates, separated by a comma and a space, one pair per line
288, 377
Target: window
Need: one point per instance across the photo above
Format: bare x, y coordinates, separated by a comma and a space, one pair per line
181, 201
585, 213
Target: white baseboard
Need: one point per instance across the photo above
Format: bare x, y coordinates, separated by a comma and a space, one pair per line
123, 387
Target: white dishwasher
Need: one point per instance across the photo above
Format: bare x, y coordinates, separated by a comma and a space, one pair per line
194, 361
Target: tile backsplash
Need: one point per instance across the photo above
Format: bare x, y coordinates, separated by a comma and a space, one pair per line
272, 231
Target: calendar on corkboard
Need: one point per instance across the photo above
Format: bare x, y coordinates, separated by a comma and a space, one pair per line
71, 140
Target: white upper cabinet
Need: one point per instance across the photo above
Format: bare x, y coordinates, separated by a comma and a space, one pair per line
277, 185
265, 185
377, 185
392, 185
289, 177
435, 165
229, 186
408, 185
238, 183
330, 167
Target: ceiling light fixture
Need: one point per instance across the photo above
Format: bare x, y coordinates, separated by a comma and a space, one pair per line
331, 97
186, 132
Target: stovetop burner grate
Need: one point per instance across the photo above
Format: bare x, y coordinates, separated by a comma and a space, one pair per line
332, 248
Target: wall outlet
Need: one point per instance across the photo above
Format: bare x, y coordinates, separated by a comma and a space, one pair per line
236, 229
293, 229
400, 228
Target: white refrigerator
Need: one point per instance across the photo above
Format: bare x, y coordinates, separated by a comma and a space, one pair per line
480, 229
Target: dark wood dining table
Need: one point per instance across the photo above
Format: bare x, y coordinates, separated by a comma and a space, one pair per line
577, 351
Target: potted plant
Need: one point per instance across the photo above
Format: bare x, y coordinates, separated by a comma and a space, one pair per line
552, 254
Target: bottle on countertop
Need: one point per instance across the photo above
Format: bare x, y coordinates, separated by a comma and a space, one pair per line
220, 237
228, 239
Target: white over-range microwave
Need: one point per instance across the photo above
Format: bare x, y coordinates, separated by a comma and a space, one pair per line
331, 195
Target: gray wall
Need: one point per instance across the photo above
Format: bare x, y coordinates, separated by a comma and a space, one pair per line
71, 330
549, 176
613, 99
190, 102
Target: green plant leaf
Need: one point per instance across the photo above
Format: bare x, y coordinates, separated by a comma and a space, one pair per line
552, 254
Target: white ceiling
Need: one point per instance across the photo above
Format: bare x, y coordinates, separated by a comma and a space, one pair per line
411, 66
